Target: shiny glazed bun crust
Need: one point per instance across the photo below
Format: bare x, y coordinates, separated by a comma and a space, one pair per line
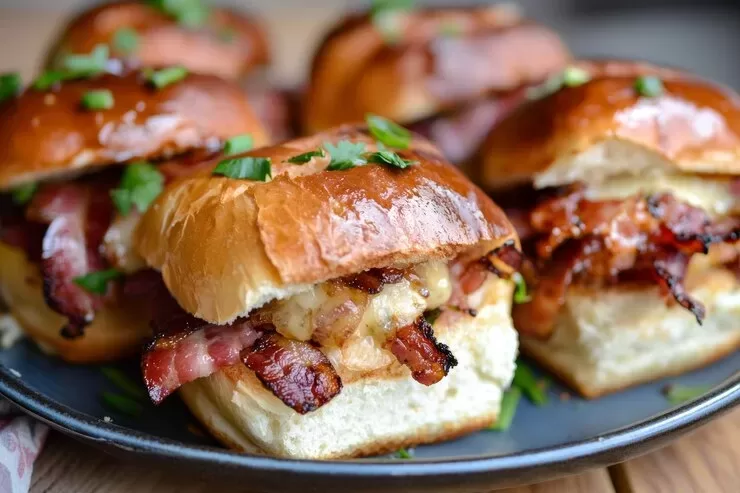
49, 134
438, 58
226, 246
228, 44
692, 126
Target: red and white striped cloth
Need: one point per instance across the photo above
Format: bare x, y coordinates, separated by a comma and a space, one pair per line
21, 439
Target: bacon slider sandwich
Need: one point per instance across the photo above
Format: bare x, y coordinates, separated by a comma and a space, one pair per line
79, 161
447, 73
623, 187
340, 295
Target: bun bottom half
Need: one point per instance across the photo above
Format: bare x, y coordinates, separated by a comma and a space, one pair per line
116, 332
616, 338
374, 414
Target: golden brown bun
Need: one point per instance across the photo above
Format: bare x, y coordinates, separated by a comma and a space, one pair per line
226, 246
48, 134
378, 412
118, 330
228, 45
611, 339
604, 127
429, 68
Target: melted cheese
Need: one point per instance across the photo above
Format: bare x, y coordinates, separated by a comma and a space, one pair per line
712, 195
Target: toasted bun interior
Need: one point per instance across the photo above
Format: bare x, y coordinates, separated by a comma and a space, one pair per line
117, 331
381, 412
226, 246
611, 339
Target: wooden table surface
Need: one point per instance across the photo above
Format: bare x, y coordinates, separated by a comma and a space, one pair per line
706, 462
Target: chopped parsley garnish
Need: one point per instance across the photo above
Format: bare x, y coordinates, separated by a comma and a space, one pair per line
140, 185
189, 13
122, 404
389, 158
10, 85
238, 144
520, 292
166, 76
529, 384
23, 194
93, 63
570, 77
125, 41
345, 155
649, 86
307, 156
509, 403
123, 382
97, 282
404, 454
245, 168
678, 394
388, 132
50, 78
431, 316
100, 99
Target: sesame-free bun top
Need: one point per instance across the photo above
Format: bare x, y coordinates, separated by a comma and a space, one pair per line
605, 127
45, 134
227, 43
438, 58
226, 246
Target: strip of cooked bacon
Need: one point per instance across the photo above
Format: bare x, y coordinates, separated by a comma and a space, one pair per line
670, 269
296, 372
372, 281
415, 346
505, 260
174, 360
77, 218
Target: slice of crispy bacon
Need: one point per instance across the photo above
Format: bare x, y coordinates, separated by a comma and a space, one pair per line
296, 372
372, 281
174, 360
76, 218
670, 269
415, 346
504, 260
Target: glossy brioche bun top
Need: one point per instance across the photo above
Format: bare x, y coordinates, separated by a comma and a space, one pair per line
47, 134
439, 58
228, 44
226, 246
605, 127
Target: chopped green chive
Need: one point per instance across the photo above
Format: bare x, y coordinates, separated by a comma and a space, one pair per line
123, 382
387, 17
166, 76
520, 292
23, 194
388, 132
141, 183
49, 78
10, 85
431, 316
238, 144
307, 156
404, 454
389, 158
649, 86
125, 41
189, 13
345, 155
97, 282
509, 403
678, 394
525, 380
101, 99
246, 168
575, 76
86, 65
122, 404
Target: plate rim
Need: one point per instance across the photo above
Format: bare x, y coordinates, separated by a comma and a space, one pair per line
615, 446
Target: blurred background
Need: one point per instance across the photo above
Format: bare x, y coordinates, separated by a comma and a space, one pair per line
701, 35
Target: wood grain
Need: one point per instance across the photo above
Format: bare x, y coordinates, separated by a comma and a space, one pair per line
66, 466
706, 462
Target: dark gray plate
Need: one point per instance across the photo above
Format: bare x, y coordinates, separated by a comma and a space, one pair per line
566, 436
